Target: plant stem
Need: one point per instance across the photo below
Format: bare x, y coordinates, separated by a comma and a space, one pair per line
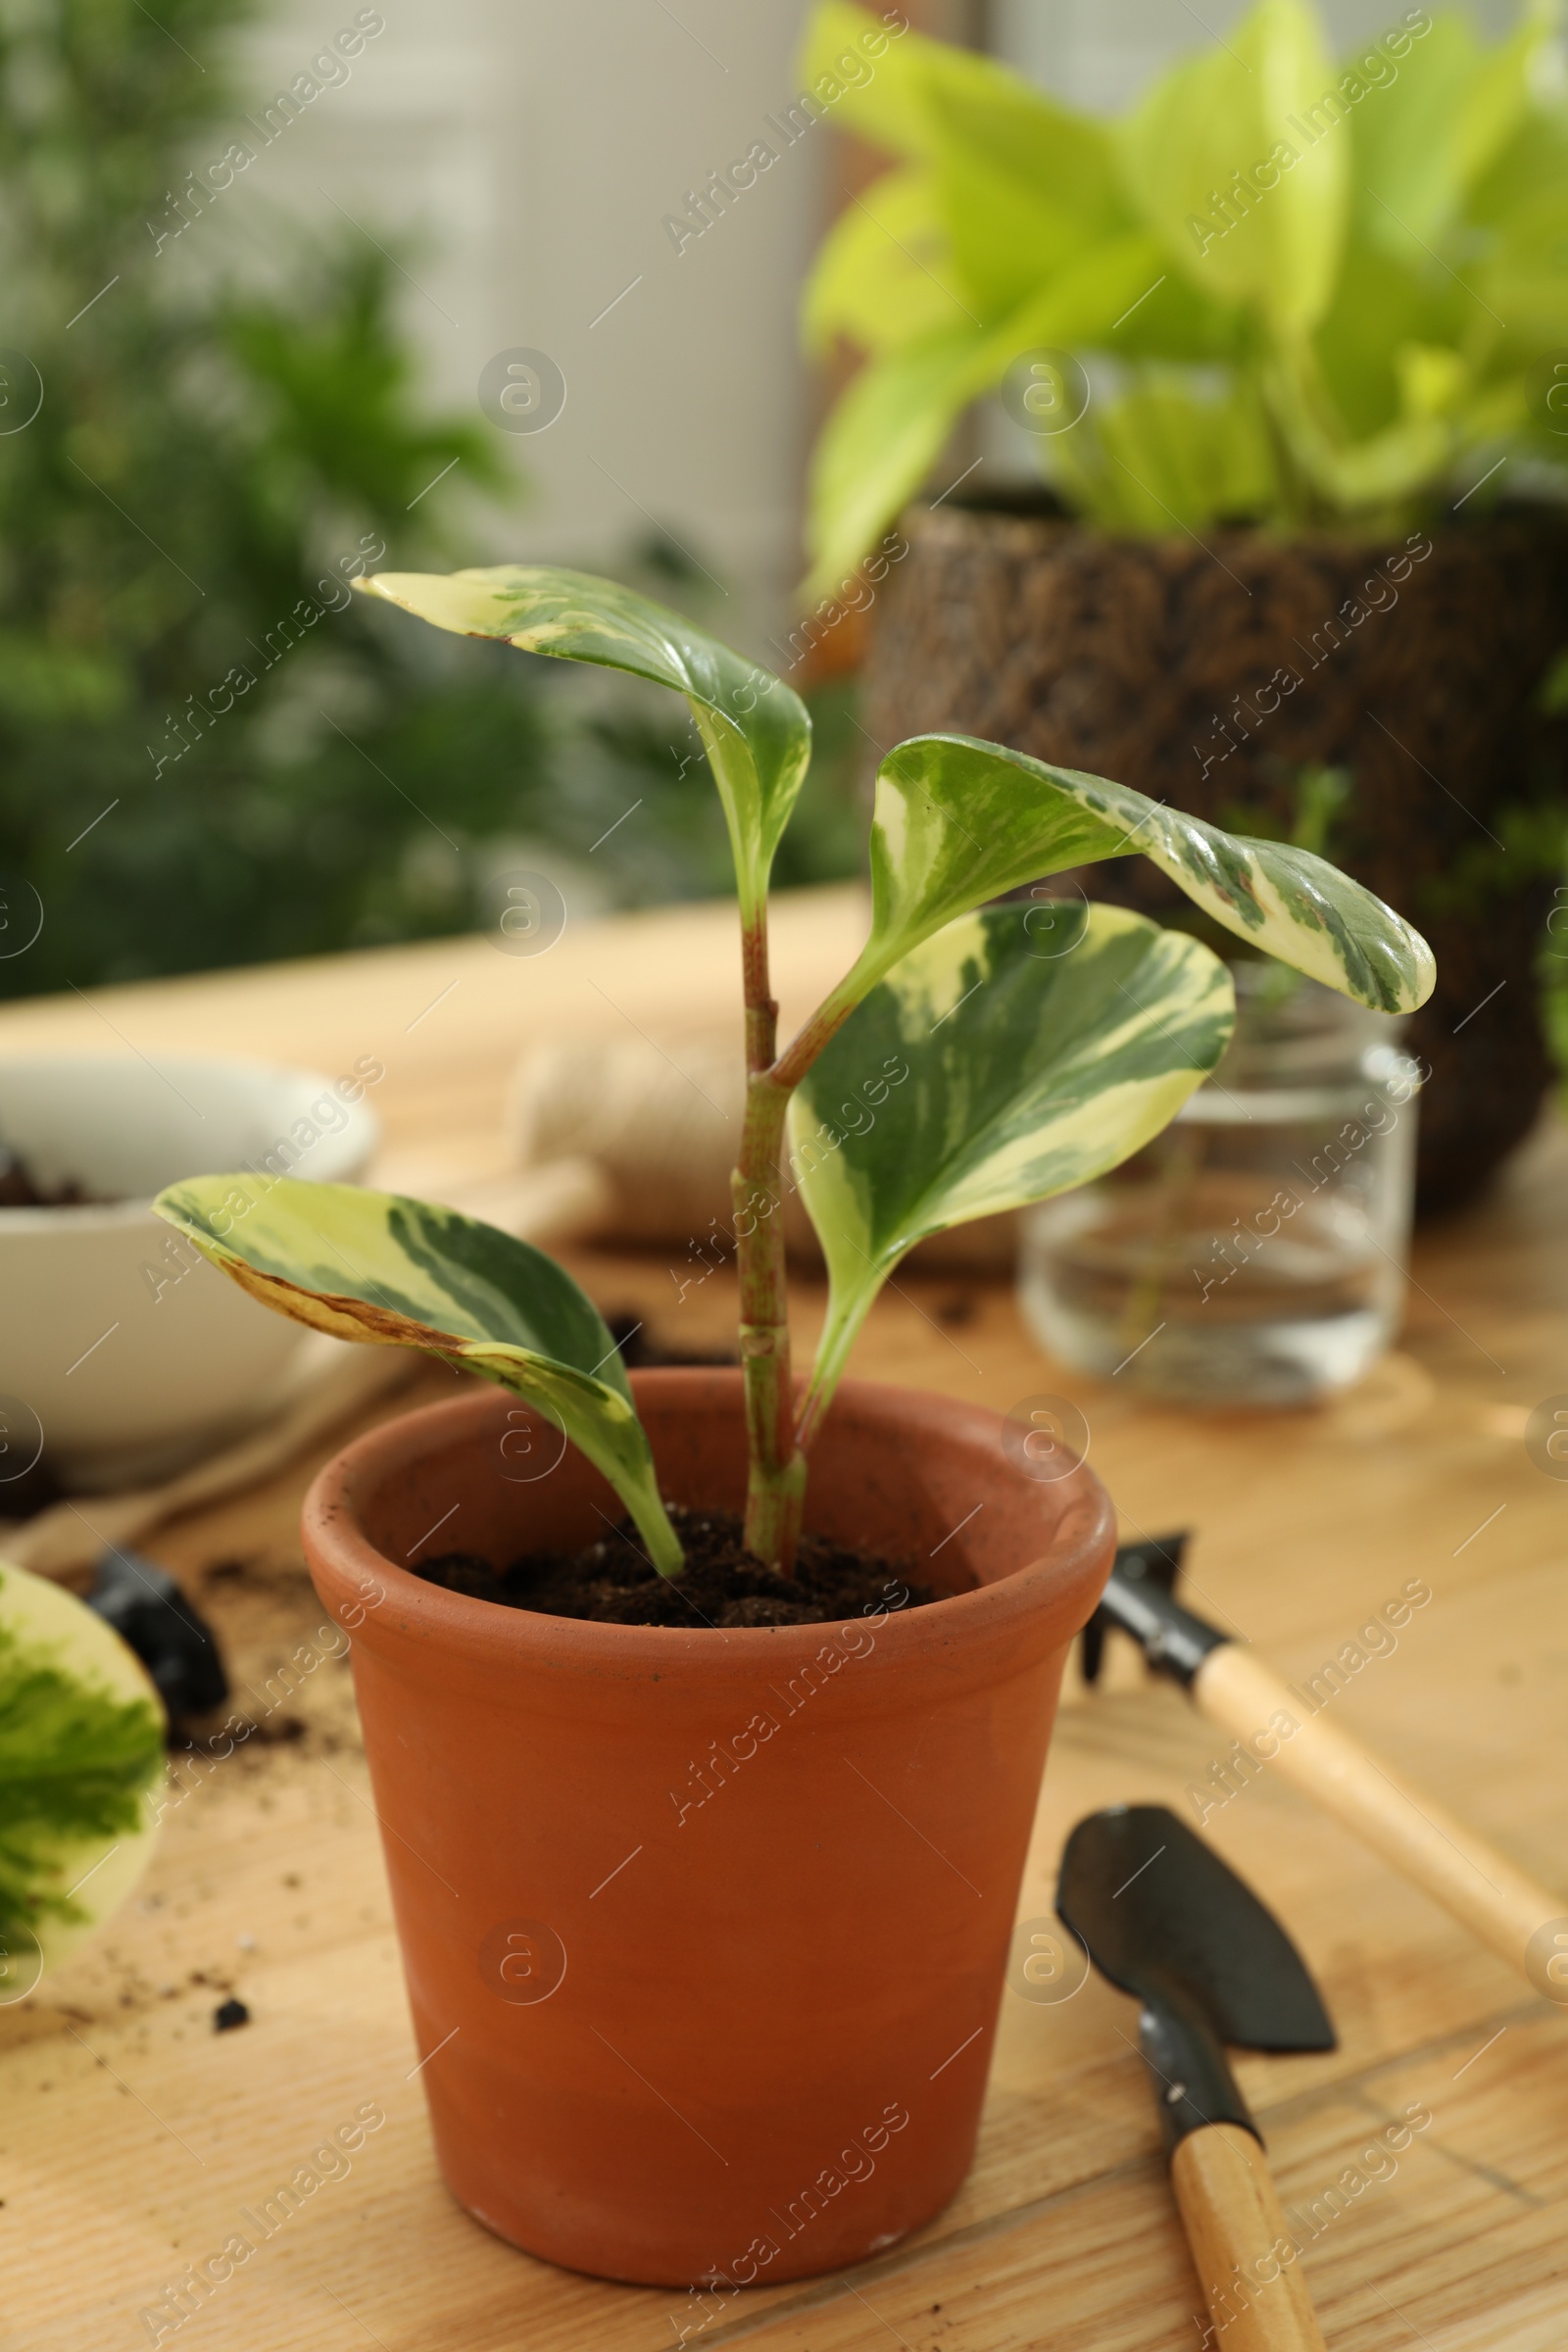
776, 1477
820, 1032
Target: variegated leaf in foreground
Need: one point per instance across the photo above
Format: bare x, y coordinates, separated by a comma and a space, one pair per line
398, 1273
959, 821
81, 1765
1024, 1073
755, 731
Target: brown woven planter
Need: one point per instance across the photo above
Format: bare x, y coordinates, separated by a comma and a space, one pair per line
1165, 664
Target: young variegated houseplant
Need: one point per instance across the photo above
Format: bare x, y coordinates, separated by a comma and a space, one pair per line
1029, 1074
682, 2121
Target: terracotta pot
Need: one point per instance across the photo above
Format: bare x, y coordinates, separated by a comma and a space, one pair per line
1209, 674
704, 1932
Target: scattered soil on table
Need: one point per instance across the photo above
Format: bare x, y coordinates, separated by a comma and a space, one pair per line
613, 1581
290, 1692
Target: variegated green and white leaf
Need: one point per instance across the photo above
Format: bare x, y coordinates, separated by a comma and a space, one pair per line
81, 1768
398, 1273
755, 731
1026, 1070
959, 821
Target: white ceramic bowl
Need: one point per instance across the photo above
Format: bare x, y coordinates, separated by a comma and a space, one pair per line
121, 1351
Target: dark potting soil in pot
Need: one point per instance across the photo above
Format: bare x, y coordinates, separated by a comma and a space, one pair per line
724, 1585
20, 1188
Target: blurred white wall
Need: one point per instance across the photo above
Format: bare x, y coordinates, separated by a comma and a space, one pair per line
535, 150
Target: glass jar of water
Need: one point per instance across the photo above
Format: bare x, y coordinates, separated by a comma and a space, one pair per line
1254, 1254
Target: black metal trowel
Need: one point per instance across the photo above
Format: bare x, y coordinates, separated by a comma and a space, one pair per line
1165, 1919
1288, 1733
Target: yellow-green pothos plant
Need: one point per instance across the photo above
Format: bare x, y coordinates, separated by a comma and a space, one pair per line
968, 1063
1309, 290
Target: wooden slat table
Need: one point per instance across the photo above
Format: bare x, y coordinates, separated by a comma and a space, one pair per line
131, 2134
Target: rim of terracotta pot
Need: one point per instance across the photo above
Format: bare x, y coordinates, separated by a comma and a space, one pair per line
1075, 1554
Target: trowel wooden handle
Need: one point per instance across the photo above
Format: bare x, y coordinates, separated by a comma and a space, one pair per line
1243, 2250
1485, 1891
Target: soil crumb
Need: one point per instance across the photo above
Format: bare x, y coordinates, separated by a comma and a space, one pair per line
20, 1189
613, 1581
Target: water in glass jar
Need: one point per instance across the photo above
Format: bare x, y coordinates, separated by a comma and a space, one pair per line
1255, 1252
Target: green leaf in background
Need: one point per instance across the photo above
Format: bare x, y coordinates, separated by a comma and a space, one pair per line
82, 1753
398, 1273
1167, 453
1382, 308
882, 275
1436, 129
755, 729
959, 821
1025, 186
1228, 111
1524, 268
885, 273
1383, 466
1041, 170
881, 441
1530, 162
1405, 186
1354, 274
875, 81
1031, 1062
1009, 234
892, 422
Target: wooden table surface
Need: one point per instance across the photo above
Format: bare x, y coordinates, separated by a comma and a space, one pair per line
132, 2133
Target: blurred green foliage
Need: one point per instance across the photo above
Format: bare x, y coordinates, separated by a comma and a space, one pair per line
1299, 289
209, 751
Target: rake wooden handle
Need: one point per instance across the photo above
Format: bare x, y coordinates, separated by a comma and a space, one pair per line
1243, 2250
1486, 1892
